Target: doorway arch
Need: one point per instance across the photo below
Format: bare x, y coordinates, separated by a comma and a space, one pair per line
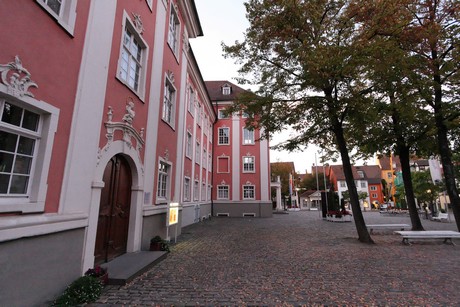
114, 211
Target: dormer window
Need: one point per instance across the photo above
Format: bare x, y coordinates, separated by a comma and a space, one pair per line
226, 90
361, 174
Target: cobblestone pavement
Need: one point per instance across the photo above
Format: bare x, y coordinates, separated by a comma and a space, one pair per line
297, 259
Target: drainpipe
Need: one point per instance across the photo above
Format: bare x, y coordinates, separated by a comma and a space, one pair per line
212, 161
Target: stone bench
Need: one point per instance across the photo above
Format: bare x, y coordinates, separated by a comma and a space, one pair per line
441, 216
447, 235
371, 227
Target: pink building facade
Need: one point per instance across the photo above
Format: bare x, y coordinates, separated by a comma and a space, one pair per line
105, 121
241, 160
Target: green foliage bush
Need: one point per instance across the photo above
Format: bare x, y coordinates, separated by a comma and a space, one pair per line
85, 289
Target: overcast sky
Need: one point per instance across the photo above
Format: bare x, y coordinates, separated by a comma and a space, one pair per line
225, 21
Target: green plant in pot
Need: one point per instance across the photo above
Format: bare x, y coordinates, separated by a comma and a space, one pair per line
158, 244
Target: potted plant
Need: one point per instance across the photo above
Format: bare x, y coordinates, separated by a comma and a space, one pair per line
158, 244
100, 273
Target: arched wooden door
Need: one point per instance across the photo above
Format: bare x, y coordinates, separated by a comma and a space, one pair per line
113, 223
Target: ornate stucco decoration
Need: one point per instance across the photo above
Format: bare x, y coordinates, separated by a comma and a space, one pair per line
138, 23
16, 78
248, 182
223, 182
166, 155
130, 136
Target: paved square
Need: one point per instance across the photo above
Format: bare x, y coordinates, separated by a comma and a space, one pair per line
297, 259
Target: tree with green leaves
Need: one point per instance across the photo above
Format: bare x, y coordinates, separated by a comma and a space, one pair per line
429, 32
306, 58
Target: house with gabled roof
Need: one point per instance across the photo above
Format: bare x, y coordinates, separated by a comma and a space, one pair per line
367, 179
241, 178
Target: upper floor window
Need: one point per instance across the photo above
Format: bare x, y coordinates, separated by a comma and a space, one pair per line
64, 11
221, 114
164, 171
174, 29
169, 102
191, 101
373, 188
248, 136
360, 174
188, 149
27, 129
198, 153
343, 184
133, 58
363, 184
226, 90
224, 136
248, 164
389, 175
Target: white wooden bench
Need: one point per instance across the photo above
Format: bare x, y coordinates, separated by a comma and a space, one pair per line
441, 216
447, 235
371, 227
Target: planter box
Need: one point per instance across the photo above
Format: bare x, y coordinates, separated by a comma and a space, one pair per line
342, 219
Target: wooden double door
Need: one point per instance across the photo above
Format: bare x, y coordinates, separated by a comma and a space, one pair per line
113, 223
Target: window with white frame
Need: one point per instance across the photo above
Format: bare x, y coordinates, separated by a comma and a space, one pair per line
221, 114
189, 145
203, 191
19, 138
248, 192
199, 114
226, 90
164, 170
374, 195
64, 11
187, 189
174, 30
249, 164
222, 191
373, 188
360, 174
224, 136
248, 136
191, 101
205, 155
196, 191
343, 184
198, 153
169, 102
133, 57
363, 184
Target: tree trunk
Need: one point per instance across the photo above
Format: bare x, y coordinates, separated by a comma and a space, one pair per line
363, 233
408, 188
443, 143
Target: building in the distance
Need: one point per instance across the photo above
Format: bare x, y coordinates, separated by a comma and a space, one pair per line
241, 159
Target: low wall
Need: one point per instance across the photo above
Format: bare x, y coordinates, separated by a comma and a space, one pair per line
35, 270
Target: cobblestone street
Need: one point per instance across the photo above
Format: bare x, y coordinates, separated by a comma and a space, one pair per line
297, 259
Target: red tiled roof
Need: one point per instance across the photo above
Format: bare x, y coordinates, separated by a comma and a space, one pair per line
371, 172
215, 90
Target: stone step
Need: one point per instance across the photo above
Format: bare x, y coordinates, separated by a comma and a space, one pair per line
126, 267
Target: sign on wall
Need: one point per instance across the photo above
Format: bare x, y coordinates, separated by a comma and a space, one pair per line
173, 214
